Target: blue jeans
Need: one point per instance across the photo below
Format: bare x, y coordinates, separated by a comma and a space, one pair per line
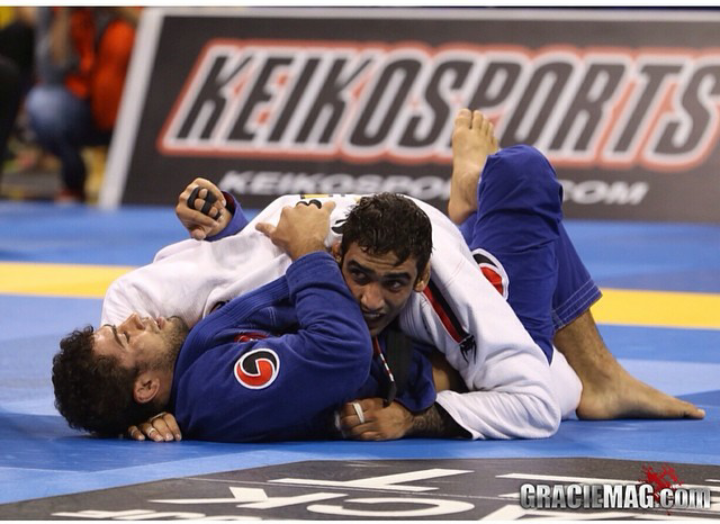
64, 125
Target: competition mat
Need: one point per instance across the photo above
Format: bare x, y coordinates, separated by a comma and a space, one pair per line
660, 317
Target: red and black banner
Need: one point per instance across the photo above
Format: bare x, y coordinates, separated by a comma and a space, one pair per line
625, 103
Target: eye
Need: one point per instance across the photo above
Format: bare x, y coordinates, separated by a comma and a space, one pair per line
395, 285
358, 276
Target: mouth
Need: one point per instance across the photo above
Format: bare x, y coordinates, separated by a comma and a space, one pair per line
373, 318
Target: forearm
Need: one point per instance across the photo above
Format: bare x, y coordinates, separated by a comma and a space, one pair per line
436, 422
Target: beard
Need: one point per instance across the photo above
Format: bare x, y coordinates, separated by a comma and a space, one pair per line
174, 339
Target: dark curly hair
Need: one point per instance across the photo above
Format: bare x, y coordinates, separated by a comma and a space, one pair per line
389, 223
95, 392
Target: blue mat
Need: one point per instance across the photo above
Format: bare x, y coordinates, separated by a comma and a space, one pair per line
40, 456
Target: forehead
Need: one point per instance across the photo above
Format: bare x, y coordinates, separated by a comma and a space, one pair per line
105, 343
385, 264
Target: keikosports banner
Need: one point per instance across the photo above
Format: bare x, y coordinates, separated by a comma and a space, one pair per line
624, 103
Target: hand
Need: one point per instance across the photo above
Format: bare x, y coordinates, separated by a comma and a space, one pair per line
199, 224
301, 230
380, 422
160, 428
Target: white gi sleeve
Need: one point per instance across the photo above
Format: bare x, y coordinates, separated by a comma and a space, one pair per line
189, 278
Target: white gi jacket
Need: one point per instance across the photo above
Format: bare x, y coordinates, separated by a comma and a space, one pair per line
514, 393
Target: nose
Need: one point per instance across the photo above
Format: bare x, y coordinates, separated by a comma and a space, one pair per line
372, 299
133, 323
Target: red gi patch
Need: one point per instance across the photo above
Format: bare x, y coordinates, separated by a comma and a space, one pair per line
257, 369
493, 270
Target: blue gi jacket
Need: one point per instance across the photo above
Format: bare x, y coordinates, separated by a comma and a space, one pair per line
254, 335
274, 363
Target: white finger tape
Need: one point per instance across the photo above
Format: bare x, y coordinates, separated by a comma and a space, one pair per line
359, 412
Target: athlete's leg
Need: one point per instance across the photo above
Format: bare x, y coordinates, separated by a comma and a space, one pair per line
609, 391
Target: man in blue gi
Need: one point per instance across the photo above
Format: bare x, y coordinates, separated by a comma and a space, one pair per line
304, 334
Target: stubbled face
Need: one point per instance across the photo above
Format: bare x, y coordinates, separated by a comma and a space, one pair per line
381, 288
145, 342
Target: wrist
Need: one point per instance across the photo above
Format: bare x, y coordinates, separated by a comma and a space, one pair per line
232, 217
307, 247
436, 422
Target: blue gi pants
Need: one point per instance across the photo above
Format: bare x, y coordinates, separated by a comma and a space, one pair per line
519, 222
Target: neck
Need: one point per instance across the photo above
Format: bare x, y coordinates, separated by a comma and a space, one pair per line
163, 395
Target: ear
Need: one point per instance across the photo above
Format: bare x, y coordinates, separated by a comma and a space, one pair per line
146, 387
423, 279
336, 251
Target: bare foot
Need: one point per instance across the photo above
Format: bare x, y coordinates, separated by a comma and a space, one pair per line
624, 396
472, 141
609, 391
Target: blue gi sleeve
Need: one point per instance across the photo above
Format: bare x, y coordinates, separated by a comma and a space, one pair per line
420, 392
238, 221
233, 385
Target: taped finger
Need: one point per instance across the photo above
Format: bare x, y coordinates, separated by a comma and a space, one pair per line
359, 412
209, 199
207, 206
151, 432
193, 196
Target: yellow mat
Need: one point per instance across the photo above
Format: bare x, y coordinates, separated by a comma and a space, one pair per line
57, 280
658, 308
618, 306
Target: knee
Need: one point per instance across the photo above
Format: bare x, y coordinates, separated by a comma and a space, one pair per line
44, 109
523, 164
55, 114
523, 168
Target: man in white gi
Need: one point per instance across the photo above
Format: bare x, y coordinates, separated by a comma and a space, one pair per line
508, 206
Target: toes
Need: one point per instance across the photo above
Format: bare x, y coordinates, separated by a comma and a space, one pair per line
478, 120
463, 118
694, 412
488, 128
482, 124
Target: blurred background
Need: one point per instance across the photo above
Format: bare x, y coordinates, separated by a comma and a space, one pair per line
112, 105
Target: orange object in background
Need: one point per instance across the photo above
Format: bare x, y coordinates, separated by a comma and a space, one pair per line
111, 64
103, 63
